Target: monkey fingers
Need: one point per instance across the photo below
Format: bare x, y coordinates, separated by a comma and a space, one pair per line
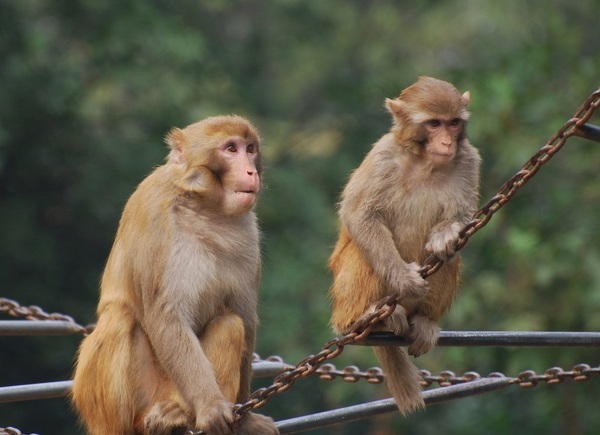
423, 335
442, 241
216, 418
411, 284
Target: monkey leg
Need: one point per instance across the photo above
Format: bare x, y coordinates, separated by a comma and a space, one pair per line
102, 388
223, 343
160, 408
355, 286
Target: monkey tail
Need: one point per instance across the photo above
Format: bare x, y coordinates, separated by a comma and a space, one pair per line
402, 377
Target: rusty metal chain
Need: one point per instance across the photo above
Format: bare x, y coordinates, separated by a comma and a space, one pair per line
384, 308
328, 372
525, 379
33, 312
11, 431
374, 375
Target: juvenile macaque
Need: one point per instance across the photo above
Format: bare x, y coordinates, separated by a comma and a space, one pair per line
177, 318
409, 198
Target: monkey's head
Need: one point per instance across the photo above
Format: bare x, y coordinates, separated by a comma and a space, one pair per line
428, 111
219, 160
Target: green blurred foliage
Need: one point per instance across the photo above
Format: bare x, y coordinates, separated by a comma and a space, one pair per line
89, 88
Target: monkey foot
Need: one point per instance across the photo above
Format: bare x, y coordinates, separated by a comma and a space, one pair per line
424, 335
166, 418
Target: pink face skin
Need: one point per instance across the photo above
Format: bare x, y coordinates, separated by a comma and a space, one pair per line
443, 136
242, 180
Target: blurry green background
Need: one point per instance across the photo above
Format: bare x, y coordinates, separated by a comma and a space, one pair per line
89, 88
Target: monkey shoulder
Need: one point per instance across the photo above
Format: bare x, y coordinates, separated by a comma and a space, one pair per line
380, 169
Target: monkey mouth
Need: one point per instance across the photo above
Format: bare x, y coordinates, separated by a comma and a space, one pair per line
442, 155
246, 193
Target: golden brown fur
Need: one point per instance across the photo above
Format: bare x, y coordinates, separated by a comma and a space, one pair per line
410, 196
177, 320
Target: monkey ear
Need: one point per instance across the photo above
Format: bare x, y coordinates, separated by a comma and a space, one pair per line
175, 139
396, 107
399, 110
199, 180
466, 98
393, 106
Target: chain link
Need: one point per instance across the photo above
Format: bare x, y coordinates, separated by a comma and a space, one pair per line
11, 431
33, 312
374, 375
364, 325
525, 379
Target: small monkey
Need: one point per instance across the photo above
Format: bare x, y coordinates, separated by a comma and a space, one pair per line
409, 198
172, 348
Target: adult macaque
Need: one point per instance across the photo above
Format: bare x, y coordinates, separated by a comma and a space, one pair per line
409, 198
177, 319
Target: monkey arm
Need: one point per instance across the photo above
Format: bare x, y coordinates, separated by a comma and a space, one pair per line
180, 355
179, 352
362, 213
457, 214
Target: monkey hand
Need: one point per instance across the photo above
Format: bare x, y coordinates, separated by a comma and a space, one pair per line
423, 335
410, 284
442, 241
215, 417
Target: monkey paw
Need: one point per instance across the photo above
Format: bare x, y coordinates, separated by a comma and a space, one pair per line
166, 418
412, 285
215, 418
424, 335
442, 241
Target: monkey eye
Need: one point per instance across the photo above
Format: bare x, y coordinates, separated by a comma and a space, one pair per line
251, 148
231, 147
455, 122
434, 123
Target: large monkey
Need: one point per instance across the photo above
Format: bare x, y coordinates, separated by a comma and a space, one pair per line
177, 318
409, 198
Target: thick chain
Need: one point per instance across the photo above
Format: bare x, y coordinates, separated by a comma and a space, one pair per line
34, 312
385, 307
11, 431
374, 375
525, 379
